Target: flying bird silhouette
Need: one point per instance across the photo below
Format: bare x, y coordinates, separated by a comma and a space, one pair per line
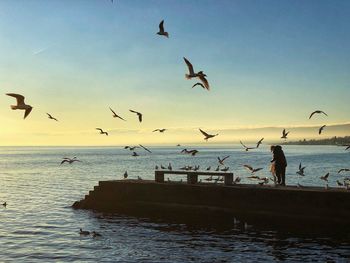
321, 129
161, 30
221, 161
284, 134
145, 148
301, 170
192, 152
259, 142
344, 170
50, 117
102, 132
20, 104
199, 84
115, 115
131, 148
70, 160
325, 177
246, 147
159, 130
318, 112
207, 135
251, 169
199, 74
139, 114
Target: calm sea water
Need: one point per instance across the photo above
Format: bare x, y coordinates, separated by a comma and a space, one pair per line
39, 224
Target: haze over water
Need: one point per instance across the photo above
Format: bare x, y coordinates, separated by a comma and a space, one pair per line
39, 224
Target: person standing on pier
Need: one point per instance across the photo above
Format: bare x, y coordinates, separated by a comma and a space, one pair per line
280, 164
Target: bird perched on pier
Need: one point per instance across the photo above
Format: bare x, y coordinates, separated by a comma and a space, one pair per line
199, 74
139, 178
217, 168
159, 130
259, 142
191, 152
161, 166
50, 117
251, 169
301, 170
84, 233
317, 112
209, 179
339, 183
325, 177
344, 170
225, 169
70, 160
221, 161
135, 154
284, 134
139, 114
246, 147
161, 30
143, 147
208, 169
102, 132
115, 115
207, 135
125, 175
236, 180
20, 104
321, 129
196, 168
170, 167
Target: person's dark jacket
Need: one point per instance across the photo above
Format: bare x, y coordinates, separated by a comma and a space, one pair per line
278, 157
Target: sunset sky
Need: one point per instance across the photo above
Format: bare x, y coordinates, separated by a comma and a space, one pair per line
269, 63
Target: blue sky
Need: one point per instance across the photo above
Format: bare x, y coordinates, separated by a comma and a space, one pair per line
269, 63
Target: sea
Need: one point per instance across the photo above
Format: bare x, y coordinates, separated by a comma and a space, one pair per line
39, 225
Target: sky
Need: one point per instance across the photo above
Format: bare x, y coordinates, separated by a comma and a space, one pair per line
269, 63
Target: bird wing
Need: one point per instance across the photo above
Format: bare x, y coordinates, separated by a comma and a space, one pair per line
248, 167
145, 148
161, 27
134, 111
243, 144
190, 67
155, 130
112, 111
284, 132
65, 160
324, 113
19, 98
225, 158
99, 129
49, 115
198, 84
26, 113
299, 166
205, 81
204, 133
312, 114
140, 116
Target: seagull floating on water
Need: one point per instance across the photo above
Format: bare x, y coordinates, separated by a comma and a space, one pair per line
135, 154
95, 234
50, 117
84, 233
20, 104
161, 30
318, 112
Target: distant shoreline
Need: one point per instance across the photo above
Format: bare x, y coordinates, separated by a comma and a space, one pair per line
336, 141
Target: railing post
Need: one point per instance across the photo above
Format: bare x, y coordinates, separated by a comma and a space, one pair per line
228, 179
159, 176
192, 178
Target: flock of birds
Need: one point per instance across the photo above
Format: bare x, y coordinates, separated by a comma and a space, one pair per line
203, 82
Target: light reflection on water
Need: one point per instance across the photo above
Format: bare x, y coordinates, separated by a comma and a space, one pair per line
39, 225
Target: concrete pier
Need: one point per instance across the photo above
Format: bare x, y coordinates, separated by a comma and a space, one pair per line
290, 205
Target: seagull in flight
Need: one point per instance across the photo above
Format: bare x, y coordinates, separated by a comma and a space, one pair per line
115, 115
145, 148
301, 170
246, 148
159, 130
199, 74
4, 204
325, 177
344, 170
318, 112
161, 30
347, 146
284, 134
207, 135
102, 132
131, 148
221, 161
50, 117
20, 104
259, 142
321, 129
138, 114
251, 169
70, 160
